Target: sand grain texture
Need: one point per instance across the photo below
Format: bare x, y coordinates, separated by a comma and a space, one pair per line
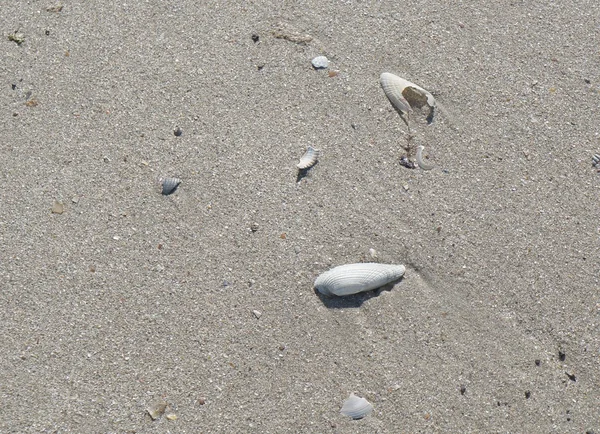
129, 297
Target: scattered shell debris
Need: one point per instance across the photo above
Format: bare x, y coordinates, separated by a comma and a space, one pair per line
169, 185
309, 159
157, 409
320, 62
257, 313
354, 278
421, 161
356, 407
57, 8
405, 95
596, 161
58, 208
171, 417
404, 161
17, 37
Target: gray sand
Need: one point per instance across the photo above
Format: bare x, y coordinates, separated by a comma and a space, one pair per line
130, 297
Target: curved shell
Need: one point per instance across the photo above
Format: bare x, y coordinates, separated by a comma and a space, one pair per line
309, 159
421, 161
169, 185
354, 278
404, 95
356, 407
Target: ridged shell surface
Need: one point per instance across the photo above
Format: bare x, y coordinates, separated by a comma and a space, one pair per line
403, 94
309, 159
169, 185
356, 407
354, 278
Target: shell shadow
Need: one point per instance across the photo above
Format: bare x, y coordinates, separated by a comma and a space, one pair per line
355, 300
302, 173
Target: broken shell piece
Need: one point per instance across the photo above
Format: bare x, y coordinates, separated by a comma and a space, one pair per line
421, 161
354, 278
595, 160
320, 62
405, 95
356, 407
309, 159
58, 208
157, 409
169, 185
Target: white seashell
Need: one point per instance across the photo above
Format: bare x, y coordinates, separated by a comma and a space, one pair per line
309, 159
320, 62
356, 407
169, 185
421, 161
405, 95
354, 278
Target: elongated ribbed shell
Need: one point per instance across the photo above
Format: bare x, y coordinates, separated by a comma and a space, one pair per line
356, 407
354, 278
404, 95
309, 159
169, 185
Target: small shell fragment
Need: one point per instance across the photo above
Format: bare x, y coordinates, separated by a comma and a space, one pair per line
58, 208
169, 185
156, 409
356, 407
354, 278
405, 95
421, 161
320, 62
595, 160
309, 159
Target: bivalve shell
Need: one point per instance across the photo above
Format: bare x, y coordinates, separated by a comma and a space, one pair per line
354, 278
309, 159
356, 407
169, 185
405, 95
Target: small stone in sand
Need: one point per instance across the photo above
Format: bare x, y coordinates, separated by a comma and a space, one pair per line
257, 313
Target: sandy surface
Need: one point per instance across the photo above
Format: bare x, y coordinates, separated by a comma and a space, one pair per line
129, 297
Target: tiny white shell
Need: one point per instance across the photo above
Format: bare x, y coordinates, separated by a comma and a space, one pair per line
169, 185
421, 161
320, 62
354, 278
404, 95
356, 407
309, 159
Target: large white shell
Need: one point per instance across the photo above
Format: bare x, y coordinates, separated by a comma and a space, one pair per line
404, 95
354, 278
309, 159
356, 407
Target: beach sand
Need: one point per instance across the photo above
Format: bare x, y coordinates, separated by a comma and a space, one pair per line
130, 298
